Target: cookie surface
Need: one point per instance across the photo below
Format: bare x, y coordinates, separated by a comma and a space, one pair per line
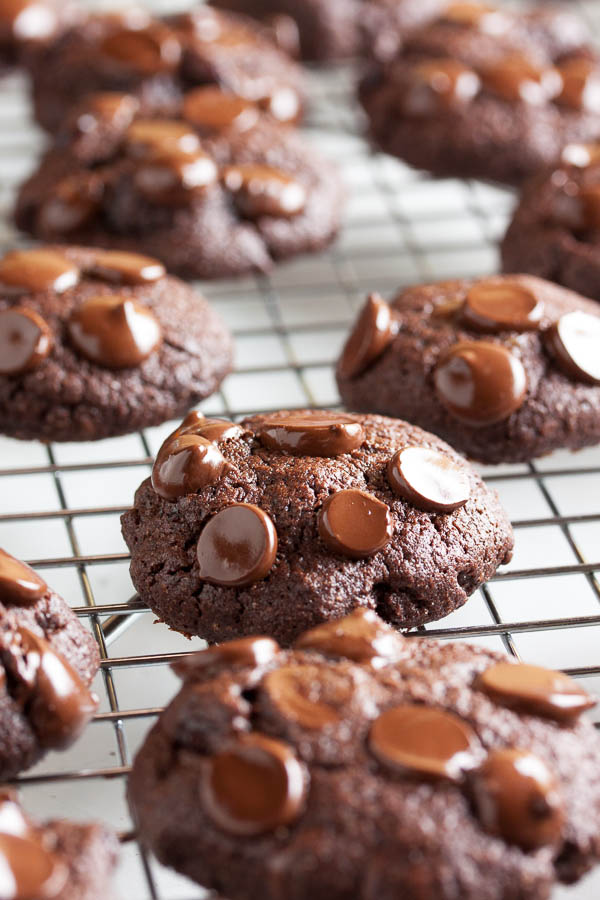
292, 519
362, 764
487, 93
95, 344
504, 368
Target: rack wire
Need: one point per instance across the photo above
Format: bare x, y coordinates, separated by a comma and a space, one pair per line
60, 504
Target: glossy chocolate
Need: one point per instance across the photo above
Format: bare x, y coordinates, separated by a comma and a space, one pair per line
440, 84
151, 138
114, 331
109, 108
74, 203
360, 636
37, 270
185, 464
211, 109
25, 340
29, 871
211, 429
424, 741
373, 331
12, 817
428, 479
480, 383
581, 84
501, 305
517, 79
237, 546
176, 178
260, 190
323, 434
248, 651
535, 690
145, 50
355, 523
254, 786
29, 20
296, 693
126, 268
574, 342
18, 582
483, 16
581, 155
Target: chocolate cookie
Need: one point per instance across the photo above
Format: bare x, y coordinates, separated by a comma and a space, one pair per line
27, 25
160, 60
100, 343
47, 662
485, 92
361, 764
58, 859
223, 192
504, 368
294, 518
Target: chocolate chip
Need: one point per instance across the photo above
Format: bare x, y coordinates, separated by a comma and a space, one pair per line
176, 178
114, 331
237, 546
440, 83
474, 15
29, 20
322, 434
264, 191
125, 268
18, 582
37, 270
502, 305
574, 342
360, 636
12, 817
107, 108
74, 203
424, 741
297, 694
29, 870
517, 798
428, 479
186, 464
148, 138
211, 109
212, 429
373, 332
354, 523
283, 103
536, 690
25, 340
581, 84
581, 155
145, 50
248, 651
517, 79
480, 383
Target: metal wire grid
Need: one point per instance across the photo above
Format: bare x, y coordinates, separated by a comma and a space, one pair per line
60, 505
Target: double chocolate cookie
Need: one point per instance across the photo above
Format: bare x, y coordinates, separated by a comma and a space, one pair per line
160, 60
100, 343
47, 662
361, 765
27, 25
485, 92
56, 860
291, 519
505, 368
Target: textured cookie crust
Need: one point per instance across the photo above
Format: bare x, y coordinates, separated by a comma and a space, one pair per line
557, 411
365, 832
69, 398
90, 851
432, 563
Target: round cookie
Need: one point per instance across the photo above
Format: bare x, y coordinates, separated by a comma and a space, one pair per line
223, 192
47, 662
361, 764
486, 93
28, 25
160, 60
99, 343
295, 518
505, 368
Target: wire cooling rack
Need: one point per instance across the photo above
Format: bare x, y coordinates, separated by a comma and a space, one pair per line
60, 504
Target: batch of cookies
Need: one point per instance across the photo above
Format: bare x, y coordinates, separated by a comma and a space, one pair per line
314, 751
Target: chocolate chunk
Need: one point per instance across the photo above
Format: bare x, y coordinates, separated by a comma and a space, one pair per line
125, 268
483, 16
516, 78
254, 786
438, 84
323, 434
374, 330
581, 84
296, 692
355, 523
428, 479
149, 138
37, 270
574, 342
212, 109
260, 190
518, 798
108, 108
283, 103
249, 651
361, 636
186, 464
424, 741
237, 546
18, 582
502, 305
211, 429
581, 155
12, 817
480, 382
73, 204
28, 870
25, 340
114, 331
145, 50
176, 178
536, 690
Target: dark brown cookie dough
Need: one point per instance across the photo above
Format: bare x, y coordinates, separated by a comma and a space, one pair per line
365, 765
293, 519
486, 93
99, 343
26, 26
47, 662
505, 368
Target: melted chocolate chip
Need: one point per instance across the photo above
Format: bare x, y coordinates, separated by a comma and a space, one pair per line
211, 109
581, 84
29, 20
296, 692
28, 871
581, 155
283, 103
185, 464
74, 203
254, 786
502, 305
176, 178
12, 817
428, 479
108, 108
145, 50
324, 434
438, 84
475, 15
264, 191
517, 797
360, 636
237, 546
18, 582
126, 268
517, 79
480, 383
373, 332
533, 689
424, 741
248, 651
37, 270
25, 340
114, 331
354, 523
212, 429
574, 342
151, 138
